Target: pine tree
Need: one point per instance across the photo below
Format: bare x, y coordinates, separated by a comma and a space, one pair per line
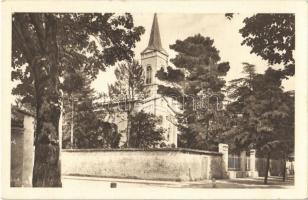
196, 82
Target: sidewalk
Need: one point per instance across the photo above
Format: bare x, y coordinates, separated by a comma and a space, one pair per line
273, 182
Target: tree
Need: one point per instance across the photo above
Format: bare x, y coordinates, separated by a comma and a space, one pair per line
44, 46
19, 103
82, 122
266, 119
195, 82
144, 130
272, 36
129, 87
108, 135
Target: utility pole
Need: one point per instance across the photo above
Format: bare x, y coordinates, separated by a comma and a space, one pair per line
72, 124
60, 127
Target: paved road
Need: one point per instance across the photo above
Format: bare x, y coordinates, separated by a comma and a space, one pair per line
75, 182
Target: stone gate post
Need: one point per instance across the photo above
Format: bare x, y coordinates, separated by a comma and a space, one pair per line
224, 149
253, 172
28, 151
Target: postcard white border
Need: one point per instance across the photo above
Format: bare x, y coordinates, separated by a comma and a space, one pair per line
299, 191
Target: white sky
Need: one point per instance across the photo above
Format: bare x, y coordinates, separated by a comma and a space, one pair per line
225, 33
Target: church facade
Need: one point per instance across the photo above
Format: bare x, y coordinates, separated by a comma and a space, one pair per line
153, 58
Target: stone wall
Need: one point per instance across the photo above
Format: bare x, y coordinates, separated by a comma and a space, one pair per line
152, 164
22, 151
17, 140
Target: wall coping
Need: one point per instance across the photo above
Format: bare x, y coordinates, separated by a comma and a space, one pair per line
180, 150
22, 111
15, 128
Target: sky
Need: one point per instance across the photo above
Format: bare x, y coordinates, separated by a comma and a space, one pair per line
225, 33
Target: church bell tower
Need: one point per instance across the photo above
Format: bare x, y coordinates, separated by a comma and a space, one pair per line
153, 58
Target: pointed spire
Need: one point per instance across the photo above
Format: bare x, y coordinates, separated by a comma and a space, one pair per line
155, 42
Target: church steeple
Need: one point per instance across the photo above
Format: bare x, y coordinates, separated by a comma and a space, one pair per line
153, 58
155, 41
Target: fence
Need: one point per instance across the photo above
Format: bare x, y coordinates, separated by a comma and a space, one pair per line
243, 165
234, 162
275, 166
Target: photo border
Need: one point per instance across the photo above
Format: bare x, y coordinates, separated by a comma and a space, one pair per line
299, 191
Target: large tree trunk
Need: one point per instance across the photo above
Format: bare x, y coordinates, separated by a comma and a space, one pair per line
47, 166
43, 61
267, 167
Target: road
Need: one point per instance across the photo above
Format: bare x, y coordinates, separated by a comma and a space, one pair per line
77, 181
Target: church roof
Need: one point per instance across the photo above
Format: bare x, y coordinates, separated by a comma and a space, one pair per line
155, 41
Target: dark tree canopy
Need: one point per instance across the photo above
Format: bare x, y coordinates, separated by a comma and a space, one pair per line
272, 36
89, 41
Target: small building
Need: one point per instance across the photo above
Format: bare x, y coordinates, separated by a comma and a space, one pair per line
22, 148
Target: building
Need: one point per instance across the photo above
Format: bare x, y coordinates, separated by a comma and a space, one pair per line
153, 57
22, 147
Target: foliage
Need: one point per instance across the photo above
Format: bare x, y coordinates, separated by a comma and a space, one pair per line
144, 130
81, 117
196, 82
130, 81
272, 36
128, 88
229, 16
264, 114
267, 112
22, 104
88, 41
44, 47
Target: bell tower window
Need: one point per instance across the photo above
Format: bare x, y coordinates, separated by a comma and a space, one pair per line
148, 79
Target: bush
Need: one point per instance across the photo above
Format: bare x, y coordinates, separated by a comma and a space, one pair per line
144, 130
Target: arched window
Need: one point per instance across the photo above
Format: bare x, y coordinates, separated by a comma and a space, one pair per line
148, 78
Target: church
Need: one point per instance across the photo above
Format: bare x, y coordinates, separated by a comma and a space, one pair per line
153, 58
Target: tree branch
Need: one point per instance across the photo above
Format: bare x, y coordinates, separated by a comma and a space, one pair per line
23, 45
39, 29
